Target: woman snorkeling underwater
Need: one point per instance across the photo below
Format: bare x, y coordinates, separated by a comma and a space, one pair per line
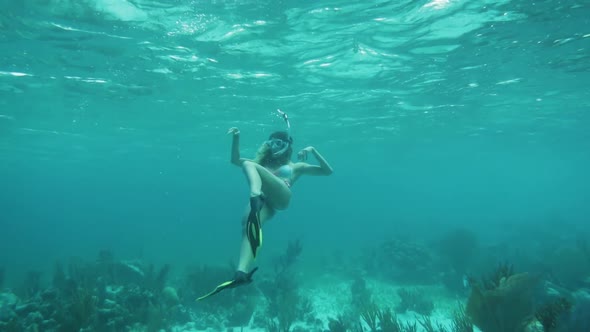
270, 175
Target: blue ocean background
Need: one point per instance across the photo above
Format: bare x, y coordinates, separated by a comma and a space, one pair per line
433, 114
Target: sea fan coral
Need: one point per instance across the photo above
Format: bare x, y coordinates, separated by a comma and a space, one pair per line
506, 308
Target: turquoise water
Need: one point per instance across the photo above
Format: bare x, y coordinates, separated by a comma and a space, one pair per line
113, 118
113, 121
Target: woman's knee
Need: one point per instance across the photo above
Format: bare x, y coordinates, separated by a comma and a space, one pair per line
248, 164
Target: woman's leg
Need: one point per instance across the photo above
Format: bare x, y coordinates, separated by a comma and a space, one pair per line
246, 257
277, 196
276, 192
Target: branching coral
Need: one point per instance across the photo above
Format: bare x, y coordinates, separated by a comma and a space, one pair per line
389, 322
370, 315
360, 295
156, 318
289, 257
83, 274
577, 318
498, 275
461, 323
337, 324
383, 320
271, 325
156, 281
92, 296
285, 303
548, 315
408, 327
428, 325
78, 312
415, 300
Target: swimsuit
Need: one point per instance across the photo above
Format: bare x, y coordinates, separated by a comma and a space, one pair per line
285, 172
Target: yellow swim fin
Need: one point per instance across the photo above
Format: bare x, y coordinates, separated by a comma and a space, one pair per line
240, 278
253, 225
227, 284
254, 233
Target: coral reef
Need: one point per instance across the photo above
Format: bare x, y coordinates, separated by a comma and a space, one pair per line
233, 307
30, 285
578, 318
8, 302
414, 300
507, 307
289, 257
428, 325
383, 320
337, 324
360, 294
389, 323
461, 323
405, 260
285, 303
370, 315
569, 266
563, 311
550, 313
402, 260
107, 294
498, 276
99, 296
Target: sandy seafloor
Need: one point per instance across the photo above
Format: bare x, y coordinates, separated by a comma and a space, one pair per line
330, 297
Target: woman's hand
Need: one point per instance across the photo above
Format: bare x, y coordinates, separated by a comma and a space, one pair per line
235, 146
234, 131
302, 155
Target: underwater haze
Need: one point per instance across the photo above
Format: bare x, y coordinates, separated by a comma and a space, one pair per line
435, 115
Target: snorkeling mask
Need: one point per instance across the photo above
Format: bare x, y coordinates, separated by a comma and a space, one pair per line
279, 146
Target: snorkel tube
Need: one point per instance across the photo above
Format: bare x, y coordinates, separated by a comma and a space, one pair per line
286, 119
279, 146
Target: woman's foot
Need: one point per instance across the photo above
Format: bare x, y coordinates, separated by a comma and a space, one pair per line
242, 278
